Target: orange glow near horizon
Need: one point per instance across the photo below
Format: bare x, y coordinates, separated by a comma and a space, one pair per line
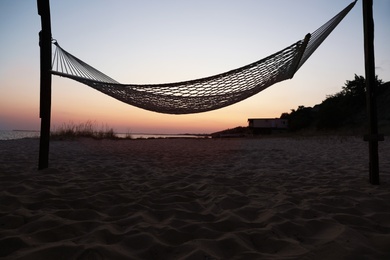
77, 103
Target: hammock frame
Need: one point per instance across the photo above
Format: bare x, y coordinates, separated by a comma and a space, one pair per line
303, 50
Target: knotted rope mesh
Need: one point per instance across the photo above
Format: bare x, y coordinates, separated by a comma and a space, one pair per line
203, 94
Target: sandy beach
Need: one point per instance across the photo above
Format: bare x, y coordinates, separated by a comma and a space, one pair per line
273, 198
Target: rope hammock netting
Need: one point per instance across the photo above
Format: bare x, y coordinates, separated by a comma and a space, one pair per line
203, 94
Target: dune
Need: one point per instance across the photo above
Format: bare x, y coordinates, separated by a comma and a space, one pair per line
272, 198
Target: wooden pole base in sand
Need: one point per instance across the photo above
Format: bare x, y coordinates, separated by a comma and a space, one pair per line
372, 137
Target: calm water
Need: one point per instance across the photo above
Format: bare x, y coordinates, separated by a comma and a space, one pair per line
9, 135
149, 136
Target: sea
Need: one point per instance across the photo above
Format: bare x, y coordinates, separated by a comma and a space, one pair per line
20, 134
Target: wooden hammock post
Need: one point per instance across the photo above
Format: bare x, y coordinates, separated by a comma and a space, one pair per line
372, 137
45, 82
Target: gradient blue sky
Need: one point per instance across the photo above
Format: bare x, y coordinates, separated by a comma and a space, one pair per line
157, 41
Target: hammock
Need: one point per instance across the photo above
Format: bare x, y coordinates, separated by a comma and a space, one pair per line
203, 94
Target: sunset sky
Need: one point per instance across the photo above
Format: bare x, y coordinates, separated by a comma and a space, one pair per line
157, 41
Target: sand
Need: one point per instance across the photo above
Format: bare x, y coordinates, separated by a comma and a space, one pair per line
273, 198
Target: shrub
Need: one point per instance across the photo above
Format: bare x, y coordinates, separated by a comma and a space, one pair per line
87, 129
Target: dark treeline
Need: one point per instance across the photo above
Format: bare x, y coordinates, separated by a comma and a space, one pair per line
343, 110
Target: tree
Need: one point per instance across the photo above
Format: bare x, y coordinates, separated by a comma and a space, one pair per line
354, 88
345, 108
357, 87
299, 119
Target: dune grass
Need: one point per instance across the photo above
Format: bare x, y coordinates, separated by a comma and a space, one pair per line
88, 129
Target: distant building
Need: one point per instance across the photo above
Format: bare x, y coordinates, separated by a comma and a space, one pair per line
267, 125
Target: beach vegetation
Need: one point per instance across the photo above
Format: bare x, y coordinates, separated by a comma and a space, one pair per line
343, 110
89, 129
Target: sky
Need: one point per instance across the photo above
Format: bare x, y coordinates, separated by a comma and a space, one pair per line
156, 41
